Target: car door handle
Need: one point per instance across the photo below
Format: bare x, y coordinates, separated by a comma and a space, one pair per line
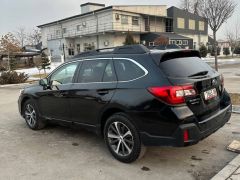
102, 92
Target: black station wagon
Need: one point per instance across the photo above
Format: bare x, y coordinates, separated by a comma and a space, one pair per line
132, 96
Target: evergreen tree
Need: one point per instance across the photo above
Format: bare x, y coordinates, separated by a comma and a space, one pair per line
129, 39
203, 51
45, 62
226, 51
237, 50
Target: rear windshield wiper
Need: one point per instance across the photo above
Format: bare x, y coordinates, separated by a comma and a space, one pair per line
202, 73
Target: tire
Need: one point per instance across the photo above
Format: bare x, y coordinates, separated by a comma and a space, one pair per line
122, 138
31, 116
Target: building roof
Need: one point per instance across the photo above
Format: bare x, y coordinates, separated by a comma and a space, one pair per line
73, 17
92, 12
90, 3
184, 11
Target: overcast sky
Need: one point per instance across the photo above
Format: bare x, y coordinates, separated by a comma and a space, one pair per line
30, 13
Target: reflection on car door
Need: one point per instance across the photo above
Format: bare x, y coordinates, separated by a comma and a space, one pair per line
54, 102
95, 88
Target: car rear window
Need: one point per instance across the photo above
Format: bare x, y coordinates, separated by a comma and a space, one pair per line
127, 70
184, 67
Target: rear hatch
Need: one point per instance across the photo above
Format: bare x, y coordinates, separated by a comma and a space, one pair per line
187, 68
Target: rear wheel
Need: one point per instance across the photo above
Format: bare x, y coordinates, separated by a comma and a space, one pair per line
122, 138
31, 116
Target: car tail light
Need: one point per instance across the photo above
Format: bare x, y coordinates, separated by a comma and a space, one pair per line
173, 94
185, 135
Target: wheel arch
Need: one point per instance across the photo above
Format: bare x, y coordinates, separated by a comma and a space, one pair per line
107, 113
23, 102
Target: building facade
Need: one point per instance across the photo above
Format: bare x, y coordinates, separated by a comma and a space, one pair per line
189, 25
103, 27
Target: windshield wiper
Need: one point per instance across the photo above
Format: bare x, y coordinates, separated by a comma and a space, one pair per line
202, 73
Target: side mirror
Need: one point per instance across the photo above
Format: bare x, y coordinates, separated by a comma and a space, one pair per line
43, 83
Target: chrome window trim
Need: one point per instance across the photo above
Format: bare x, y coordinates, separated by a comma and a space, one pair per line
81, 60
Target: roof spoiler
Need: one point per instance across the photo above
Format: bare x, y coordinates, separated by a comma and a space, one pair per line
180, 54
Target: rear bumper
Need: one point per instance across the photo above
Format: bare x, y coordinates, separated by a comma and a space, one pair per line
196, 131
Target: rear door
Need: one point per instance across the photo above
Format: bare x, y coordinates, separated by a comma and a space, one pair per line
95, 87
206, 81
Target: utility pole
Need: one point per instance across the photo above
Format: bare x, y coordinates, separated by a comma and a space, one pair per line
9, 67
63, 52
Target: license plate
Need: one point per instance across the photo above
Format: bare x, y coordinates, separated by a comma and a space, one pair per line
210, 94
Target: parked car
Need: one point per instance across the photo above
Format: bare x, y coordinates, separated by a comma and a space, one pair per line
132, 97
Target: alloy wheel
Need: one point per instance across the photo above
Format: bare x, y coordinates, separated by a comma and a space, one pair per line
120, 138
30, 115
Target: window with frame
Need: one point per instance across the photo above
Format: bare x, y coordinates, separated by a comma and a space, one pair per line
124, 19
151, 44
181, 23
64, 30
185, 42
135, 20
192, 24
127, 70
64, 75
78, 27
172, 42
58, 32
92, 71
179, 42
201, 26
71, 52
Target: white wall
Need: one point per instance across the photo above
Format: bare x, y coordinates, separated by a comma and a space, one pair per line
198, 39
160, 10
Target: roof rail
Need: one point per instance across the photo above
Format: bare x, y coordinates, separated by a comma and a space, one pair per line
131, 49
128, 49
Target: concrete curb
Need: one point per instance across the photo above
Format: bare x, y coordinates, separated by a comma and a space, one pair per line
236, 109
11, 85
228, 172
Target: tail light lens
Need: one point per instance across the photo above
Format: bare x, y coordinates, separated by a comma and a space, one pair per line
173, 94
185, 135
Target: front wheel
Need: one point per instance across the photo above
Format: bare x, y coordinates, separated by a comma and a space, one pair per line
31, 116
122, 138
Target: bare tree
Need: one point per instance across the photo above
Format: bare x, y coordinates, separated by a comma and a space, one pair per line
34, 37
233, 36
21, 36
9, 45
217, 12
193, 6
185, 4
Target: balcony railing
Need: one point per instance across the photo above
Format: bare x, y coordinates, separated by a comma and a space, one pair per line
108, 27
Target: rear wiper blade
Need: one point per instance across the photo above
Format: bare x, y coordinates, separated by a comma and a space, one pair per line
202, 73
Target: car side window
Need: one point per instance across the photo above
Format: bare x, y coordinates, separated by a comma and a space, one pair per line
64, 75
109, 74
92, 71
127, 70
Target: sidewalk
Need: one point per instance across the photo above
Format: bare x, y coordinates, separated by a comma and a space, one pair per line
230, 172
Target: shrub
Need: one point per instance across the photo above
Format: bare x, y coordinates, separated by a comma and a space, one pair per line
12, 77
2, 68
226, 51
203, 51
213, 51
